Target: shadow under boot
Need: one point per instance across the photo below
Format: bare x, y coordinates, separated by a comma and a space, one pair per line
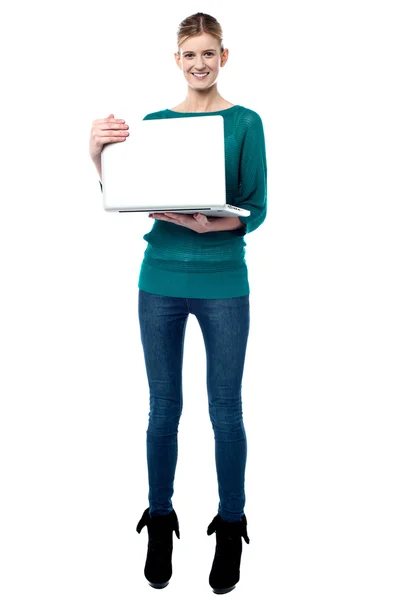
225, 572
158, 565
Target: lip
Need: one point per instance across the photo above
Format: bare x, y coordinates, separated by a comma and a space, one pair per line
197, 73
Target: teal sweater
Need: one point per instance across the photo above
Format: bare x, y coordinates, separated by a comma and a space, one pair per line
182, 263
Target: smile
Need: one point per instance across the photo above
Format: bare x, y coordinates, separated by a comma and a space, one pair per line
200, 75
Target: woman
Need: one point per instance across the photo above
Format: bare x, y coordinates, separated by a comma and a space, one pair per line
194, 264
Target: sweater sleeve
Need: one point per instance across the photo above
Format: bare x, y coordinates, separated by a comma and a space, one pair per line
253, 175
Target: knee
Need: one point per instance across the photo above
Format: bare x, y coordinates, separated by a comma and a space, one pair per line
226, 416
164, 415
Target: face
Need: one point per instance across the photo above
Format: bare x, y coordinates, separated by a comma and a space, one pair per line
201, 54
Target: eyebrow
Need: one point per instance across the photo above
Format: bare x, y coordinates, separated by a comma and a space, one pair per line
209, 50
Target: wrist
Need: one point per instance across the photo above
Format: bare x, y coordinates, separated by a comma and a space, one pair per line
212, 223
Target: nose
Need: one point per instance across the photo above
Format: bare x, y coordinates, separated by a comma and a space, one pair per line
199, 64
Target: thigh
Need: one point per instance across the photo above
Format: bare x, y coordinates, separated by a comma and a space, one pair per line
163, 321
225, 327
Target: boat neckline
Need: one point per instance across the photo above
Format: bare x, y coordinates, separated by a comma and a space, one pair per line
214, 112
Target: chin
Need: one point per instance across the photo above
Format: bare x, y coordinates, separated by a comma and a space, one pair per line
199, 86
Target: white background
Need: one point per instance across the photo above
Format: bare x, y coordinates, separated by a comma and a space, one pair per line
320, 387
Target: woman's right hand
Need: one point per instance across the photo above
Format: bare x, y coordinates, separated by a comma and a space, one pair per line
106, 131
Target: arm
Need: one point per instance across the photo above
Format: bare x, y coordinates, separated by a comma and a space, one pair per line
253, 175
224, 223
97, 163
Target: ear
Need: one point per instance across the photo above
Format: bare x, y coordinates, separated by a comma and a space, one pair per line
177, 59
224, 57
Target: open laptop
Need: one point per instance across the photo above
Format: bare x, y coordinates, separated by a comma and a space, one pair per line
174, 165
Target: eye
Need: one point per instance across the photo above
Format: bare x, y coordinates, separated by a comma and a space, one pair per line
191, 54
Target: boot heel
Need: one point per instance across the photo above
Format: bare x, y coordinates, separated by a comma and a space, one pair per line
223, 590
158, 586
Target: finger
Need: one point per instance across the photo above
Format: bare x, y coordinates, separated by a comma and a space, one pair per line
112, 125
108, 120
101, 135
114, 135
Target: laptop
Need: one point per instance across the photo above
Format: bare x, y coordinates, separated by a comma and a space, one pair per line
174, 165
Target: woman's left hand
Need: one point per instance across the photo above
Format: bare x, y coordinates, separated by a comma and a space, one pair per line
197, 222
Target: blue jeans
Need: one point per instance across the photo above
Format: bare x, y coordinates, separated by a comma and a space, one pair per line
225, 326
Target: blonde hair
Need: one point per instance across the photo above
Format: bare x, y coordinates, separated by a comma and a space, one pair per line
196, 24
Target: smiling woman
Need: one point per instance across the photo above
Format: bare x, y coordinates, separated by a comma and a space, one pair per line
200, 56
193, 264
196, 265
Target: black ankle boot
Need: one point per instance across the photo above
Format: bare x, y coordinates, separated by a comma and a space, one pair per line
158, 566
225, 572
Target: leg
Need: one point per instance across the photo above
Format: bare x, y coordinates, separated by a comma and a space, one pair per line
163, 321
225, 328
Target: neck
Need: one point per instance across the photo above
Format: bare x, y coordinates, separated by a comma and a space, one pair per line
207, 101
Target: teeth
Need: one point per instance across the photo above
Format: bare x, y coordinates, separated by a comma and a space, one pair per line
200, 76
